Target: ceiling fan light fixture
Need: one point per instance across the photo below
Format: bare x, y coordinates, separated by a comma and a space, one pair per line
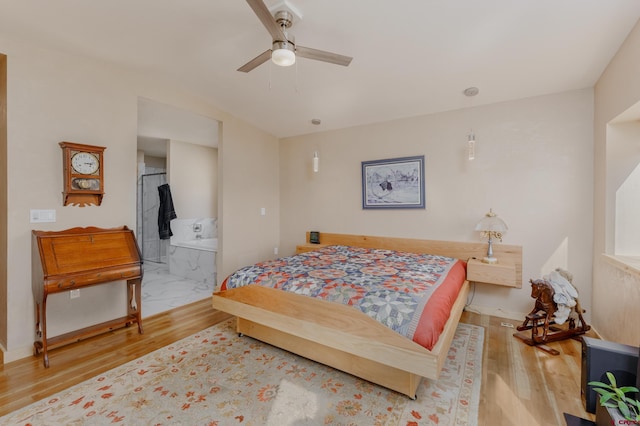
283, 53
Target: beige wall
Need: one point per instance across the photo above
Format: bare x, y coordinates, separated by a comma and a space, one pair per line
533, 166
249, 183
53, 97
616, 293
193, 176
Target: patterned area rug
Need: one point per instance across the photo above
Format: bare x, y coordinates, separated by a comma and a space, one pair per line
216, 377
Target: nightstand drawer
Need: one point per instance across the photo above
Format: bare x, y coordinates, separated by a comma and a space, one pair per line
492, 273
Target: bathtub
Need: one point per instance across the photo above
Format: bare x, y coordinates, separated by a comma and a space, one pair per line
206, 244
194, 259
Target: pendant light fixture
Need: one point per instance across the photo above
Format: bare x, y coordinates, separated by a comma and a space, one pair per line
471, 137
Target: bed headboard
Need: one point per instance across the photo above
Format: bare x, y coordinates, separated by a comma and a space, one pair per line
507, 254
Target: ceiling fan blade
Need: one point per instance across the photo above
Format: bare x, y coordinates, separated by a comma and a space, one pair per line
262, 12
321, 55
257, 61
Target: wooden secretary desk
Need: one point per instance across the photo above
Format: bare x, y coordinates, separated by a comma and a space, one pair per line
77, 258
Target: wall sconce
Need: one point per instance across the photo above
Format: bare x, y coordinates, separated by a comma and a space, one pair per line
316, 162
471, 146
493, 227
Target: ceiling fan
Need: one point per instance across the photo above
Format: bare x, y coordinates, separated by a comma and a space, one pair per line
284, 49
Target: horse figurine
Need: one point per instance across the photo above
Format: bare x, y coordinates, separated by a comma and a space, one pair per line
542, 316
543, 293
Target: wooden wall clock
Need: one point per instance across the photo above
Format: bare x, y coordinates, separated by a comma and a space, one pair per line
83, 168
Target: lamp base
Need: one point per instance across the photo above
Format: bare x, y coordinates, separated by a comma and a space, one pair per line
489, 260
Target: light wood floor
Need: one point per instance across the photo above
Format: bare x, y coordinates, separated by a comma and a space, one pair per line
520, 385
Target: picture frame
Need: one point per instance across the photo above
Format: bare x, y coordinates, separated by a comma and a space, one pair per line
394, 183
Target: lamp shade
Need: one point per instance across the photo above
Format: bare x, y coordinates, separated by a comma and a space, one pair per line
493, 227
283, 53
492, 223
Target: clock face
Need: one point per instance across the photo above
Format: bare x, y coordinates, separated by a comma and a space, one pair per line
85, 163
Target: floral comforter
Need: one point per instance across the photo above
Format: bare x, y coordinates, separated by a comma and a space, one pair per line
408, 292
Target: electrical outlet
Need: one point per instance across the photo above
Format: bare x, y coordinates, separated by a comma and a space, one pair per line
275, 250
74, 294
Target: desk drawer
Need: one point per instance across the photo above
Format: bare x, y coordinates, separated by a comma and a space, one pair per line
70, 282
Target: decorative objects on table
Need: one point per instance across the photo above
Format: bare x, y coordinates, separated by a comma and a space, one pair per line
556, 303
83, 168
493, 227
396, 183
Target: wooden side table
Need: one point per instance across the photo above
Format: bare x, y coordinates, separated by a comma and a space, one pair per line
492, 273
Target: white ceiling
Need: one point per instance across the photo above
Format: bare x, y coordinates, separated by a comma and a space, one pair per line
411, 57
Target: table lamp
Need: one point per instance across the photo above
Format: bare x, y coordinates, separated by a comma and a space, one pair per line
493, 227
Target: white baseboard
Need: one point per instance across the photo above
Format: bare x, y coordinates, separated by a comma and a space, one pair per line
10, 356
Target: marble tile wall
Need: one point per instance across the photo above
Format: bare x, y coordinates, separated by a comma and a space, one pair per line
196, 265
184, 229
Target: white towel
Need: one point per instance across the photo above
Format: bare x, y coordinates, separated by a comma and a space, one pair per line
565, 295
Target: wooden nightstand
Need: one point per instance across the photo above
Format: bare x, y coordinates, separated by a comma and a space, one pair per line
492, 273
303, 248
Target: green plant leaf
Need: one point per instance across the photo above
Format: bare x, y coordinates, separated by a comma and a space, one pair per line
612, 396
605, 396
624, 409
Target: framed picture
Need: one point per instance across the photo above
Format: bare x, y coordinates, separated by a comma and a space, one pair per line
396, 183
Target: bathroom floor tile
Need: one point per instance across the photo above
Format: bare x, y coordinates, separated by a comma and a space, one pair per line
162, 291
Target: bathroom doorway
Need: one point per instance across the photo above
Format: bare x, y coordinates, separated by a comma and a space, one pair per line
171, 146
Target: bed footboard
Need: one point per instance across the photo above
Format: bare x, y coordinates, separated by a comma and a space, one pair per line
381, 374
337, 335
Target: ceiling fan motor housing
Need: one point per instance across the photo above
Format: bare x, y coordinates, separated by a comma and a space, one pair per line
284, 18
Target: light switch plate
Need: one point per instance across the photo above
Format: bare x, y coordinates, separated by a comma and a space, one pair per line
40, 216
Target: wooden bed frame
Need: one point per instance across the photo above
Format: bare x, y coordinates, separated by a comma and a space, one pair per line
343, 337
